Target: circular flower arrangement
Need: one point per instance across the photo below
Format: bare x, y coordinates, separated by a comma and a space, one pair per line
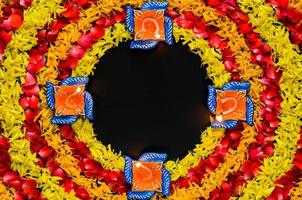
252, 51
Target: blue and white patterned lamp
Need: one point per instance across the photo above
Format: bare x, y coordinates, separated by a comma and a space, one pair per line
145, 163
70, 92
230, 104
137, 18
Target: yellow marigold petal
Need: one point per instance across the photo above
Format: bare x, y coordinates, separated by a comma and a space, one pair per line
5, 193
297, 4
296, 192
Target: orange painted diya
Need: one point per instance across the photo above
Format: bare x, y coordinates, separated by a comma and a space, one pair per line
149, 25
147, 176
69, 100
231, 105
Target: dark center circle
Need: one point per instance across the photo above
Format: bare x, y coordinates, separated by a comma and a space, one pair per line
150, 100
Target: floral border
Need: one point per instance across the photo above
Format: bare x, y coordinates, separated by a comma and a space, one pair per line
261, 16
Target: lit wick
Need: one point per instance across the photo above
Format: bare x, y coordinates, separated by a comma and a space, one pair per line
219, 118
138, 165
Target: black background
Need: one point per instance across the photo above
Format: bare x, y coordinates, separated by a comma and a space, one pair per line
150, 100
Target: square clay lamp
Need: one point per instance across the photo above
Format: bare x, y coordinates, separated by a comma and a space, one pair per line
149, 25
69, 100
147, 176
231, 105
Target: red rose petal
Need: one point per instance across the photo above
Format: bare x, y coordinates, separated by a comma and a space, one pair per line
185, 23
293, 15
33, 102
85, 41
234, 135
270, 72
4, 143
28, 186
81, 2
235, 76
113, 175
245, 28
34, 194
221, 150
226, 187
109, 22
15, 20
101, 22
214, 161
25, 3
42, 34
68, 185
31, 68
30, 80
45, 152
279, 3
189, 15
24, 102
29, 115
298, 159
255, 154
52, 35
57, 24
42, 46
6, 25
227, 54
240, 16
76, 52
9, 176
35, 56
200, 29
17, 184
70, 63
268, 150
214, 40
230, 65
274, 123
119, 17
300, 143
225, 142
51, 164
19, 195
66, 132
172, 13
266, 49
6, 36
215, 194
97, 32
89, 164
81, 193
32, 90
72, 13
213, 2
276, 195
58, 172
